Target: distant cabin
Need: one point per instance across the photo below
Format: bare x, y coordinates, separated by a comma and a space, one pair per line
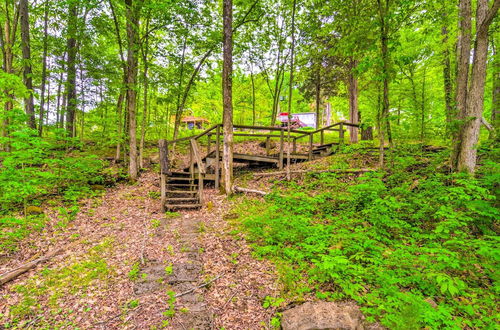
304, 119
194, 122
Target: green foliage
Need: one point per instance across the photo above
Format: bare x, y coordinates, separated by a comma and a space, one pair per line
414, 245
133, 274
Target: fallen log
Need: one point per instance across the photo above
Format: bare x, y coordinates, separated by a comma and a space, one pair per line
349, 170
251, 191
10, 275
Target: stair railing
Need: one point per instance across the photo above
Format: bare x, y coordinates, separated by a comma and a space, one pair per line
196, 158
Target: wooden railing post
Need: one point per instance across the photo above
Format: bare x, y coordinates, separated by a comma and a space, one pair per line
195, 150
282, 144
163, 146
341, 133
268, 146
217, 156
322, 137
209, 141
310, 146
191, 160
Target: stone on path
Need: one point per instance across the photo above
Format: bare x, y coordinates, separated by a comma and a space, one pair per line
323, 316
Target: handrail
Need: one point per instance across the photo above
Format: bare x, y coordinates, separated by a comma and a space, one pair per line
262, 128
197, 156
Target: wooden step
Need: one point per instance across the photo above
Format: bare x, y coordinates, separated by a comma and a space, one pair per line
187, 185
177, 178
183, 199
175, 173
182, 191
182, 206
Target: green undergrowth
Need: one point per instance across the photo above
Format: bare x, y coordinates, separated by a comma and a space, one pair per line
415, 246
43, 291
38, 173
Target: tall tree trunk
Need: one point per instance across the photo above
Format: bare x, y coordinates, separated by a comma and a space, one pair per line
29, 105
119, 107
318, 96
7, 40
462, 78
121, 96
290, 93
71, 66
353, 100
469, 133
422, 112
227, 94
495, 104
133, 10
145, 98
383, 9
253, 97
448, 86
44, 68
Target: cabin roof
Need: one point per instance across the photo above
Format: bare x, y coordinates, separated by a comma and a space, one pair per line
193, 119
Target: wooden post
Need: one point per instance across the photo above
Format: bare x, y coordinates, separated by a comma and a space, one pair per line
322, 137
209, 141
217, 156
341, 133
200, 187
163, 146
268, 146
282, 144
191, 161
310, 146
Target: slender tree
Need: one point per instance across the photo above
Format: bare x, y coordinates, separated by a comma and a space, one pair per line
470, 90
290, 91
44, 68
29, 105
227, 94
133, 12
71, 48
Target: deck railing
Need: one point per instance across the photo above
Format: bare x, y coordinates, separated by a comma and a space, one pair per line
268, 134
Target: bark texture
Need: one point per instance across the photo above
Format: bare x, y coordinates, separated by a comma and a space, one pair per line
133, 10
29, 105
227, 72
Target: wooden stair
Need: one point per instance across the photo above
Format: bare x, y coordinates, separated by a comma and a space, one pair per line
181, 192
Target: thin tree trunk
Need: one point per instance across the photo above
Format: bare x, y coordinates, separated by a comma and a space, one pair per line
290, 93
318, 96
448, 88
227, 72
71, 74
133, 9
253, 97
353, 100
495, 104
7, 41
121, 96
384, 49
469, 134
29, 105
145, 50
462, 78
422, 114
44, 68
119, 107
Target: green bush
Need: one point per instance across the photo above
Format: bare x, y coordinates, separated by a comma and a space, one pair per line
414, 246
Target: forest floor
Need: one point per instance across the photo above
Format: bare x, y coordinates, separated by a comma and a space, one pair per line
126, 265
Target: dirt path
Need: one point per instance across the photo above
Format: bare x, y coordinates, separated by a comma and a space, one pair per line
124, 263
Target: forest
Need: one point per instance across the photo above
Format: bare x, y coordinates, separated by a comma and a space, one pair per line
249, 164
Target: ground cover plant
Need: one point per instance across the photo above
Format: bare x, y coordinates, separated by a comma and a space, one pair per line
414, 245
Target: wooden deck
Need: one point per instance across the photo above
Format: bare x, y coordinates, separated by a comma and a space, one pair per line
207, 167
